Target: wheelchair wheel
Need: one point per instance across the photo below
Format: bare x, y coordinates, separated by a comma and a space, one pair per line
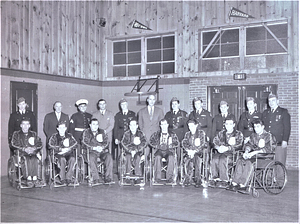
48, 170
274, 177
12, 171
81, 169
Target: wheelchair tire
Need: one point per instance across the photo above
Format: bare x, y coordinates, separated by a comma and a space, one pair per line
11, 171
48, 170
274, 177
81, 169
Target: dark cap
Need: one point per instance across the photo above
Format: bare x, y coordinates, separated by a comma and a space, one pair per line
174, 99
197, 99
20, 100
223, 102
123, 101
271, 95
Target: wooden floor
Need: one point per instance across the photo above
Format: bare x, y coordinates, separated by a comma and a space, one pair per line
153, 204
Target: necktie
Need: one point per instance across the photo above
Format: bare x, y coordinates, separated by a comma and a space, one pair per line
58, 116
102, 113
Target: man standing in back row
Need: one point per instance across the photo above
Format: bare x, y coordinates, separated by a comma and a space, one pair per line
277, 120
148, 119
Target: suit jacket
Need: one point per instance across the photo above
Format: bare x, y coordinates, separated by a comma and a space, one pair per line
122, 123
50, 123
218, 123
15, 121
245, 124
106, 121
278, 123
205, 121
147, 125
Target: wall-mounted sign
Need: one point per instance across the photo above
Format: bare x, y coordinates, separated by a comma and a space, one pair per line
137, 25
238, 13
239, 76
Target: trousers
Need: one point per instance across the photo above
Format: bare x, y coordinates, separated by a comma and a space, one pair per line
219, 165
169, 156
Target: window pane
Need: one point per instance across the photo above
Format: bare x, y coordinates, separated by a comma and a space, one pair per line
153, 56
168, 68
230, 50
279, 30
119, 71
153, 43
230, 36
255, 33
153, 69
119, 47
214, 51
134, 70
168, 42
208, 36
274, 47
119, 59
134, 45
256, 47
168, 55
134, 57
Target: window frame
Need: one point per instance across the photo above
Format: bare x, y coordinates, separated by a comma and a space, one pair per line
242, 38
110, 55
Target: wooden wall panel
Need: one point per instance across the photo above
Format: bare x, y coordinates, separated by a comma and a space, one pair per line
64, 37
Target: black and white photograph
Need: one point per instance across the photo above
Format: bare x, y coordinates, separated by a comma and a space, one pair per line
149, 111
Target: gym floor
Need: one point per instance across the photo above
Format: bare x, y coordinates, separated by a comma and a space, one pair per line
153, 204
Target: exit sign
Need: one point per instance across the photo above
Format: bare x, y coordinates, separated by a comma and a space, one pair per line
239, 76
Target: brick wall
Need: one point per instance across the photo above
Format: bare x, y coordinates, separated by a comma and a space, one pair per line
287, 93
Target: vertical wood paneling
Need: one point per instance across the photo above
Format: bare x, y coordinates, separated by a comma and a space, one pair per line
59, 37
15, 35
54, 39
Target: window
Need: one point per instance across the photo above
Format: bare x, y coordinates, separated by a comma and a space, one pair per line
259, 39
221, 43
158, 52
127, 58
160, 55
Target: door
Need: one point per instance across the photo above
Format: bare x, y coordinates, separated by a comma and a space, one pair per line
26, 90
235, 96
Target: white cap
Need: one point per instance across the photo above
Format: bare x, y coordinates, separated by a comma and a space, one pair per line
81, 101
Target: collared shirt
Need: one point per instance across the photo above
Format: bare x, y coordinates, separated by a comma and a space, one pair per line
151, 108
57, 115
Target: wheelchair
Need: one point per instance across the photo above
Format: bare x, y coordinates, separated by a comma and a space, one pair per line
84, 169
231, 162
15, 173
52, 171
204, 168
129, 180
163, 170
271, 175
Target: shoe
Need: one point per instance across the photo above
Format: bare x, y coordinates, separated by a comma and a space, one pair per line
29, 184
108, 181
242, 189
96, 181
169, 182
186, 182
212, 183
198, 183
232, 187
222, 184
128, 181
158, 182
38, 183
138, 181
63, 182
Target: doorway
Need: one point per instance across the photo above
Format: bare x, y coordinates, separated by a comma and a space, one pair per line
235, 96
26, 90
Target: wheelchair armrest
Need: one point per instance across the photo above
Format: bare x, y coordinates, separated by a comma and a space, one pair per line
266, 155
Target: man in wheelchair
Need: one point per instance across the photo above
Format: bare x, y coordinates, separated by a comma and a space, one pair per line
164, 145
227, 142
193, 146
95, 140
134, 143
63, 145
28, 144
260, 142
